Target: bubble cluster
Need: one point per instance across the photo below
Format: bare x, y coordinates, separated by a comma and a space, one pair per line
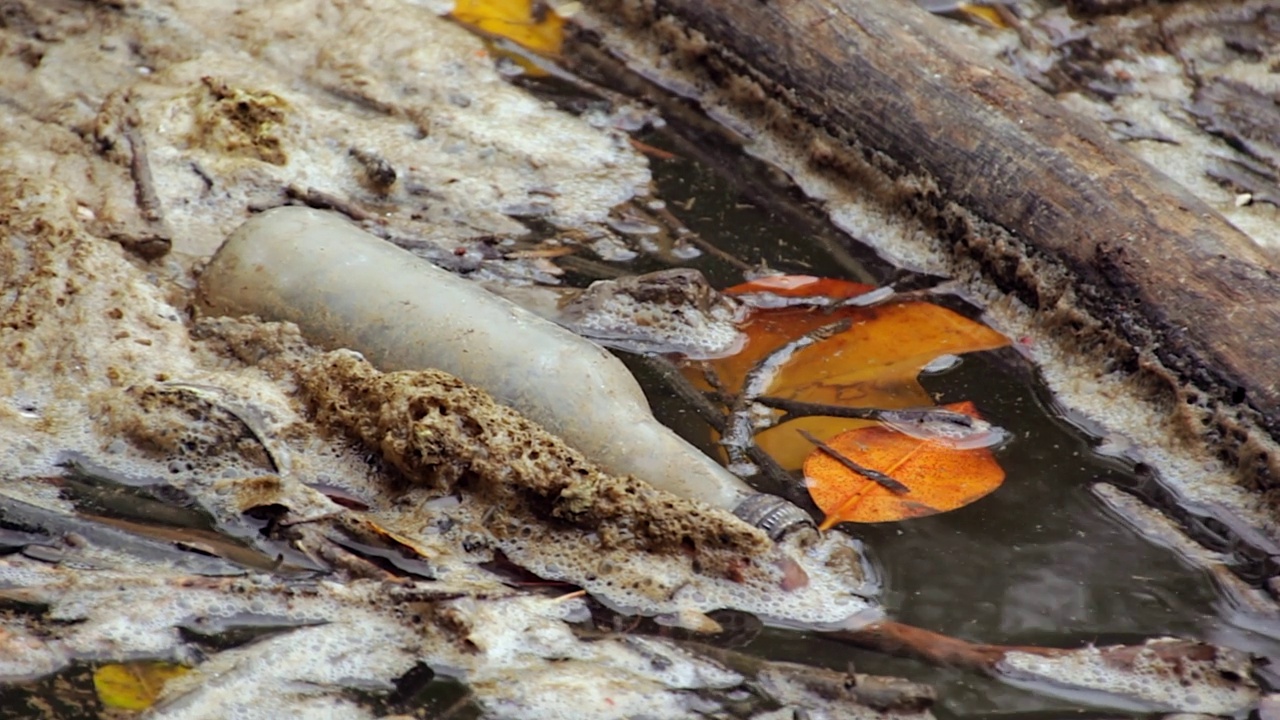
631, 324
671, 311
616, 677
1164, 674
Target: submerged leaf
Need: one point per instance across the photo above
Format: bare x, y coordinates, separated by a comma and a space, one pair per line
134, 685
939, 476
530, 23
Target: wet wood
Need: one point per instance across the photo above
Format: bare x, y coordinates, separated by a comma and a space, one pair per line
1100, 243
1186, 663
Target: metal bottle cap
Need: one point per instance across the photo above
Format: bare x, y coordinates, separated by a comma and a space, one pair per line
772, 514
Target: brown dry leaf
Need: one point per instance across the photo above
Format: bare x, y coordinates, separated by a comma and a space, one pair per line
874, 363
939, 476
134, 685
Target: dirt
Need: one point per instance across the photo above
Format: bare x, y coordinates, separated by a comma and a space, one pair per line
370, 523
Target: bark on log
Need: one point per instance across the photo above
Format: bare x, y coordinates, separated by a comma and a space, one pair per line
1054, 210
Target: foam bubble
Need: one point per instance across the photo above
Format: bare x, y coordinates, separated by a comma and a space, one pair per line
1166, 674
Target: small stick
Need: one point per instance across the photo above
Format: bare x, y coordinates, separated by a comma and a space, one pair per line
1178, 656
885, 481
783, 483
846, 689
321, 200
799, 409
889, 695
756, 376
155, 241
895, 638
589, 268
380, 173
140, 169
683, 232
674, 380
738, 432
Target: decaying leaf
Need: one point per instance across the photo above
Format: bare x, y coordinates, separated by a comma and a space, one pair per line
531, 23
938, 475
134, 685
874, 363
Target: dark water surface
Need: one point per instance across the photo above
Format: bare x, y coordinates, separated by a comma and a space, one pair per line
1041, 561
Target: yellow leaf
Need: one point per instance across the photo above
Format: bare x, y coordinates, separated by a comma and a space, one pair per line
134, 685
980, 14
938, 476
530, 23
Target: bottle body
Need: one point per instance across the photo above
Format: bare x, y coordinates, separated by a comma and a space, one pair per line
346, 288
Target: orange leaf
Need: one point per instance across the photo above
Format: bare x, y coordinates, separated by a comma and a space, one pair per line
886, 348
767, 330
874, 363
940, 477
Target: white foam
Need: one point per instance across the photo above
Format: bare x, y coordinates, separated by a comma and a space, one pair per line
1147, 682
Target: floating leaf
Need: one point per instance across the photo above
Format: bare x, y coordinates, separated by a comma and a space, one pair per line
769, 329
530, 23
134, 685
938, 475
875, 363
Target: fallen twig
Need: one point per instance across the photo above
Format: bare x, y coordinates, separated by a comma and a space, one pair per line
787, 683
883, 480
782, 482
155, 241
1162, 673
798, 409
682, 232
884, 694
740, 428
321, 200
140, 169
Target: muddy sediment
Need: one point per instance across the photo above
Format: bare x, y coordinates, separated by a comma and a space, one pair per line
437, 430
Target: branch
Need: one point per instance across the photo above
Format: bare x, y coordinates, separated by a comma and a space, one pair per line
885, 481
781, 480
740, 430
1163, 673
798, 409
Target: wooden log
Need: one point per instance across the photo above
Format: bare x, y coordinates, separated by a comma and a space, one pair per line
1106, 249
